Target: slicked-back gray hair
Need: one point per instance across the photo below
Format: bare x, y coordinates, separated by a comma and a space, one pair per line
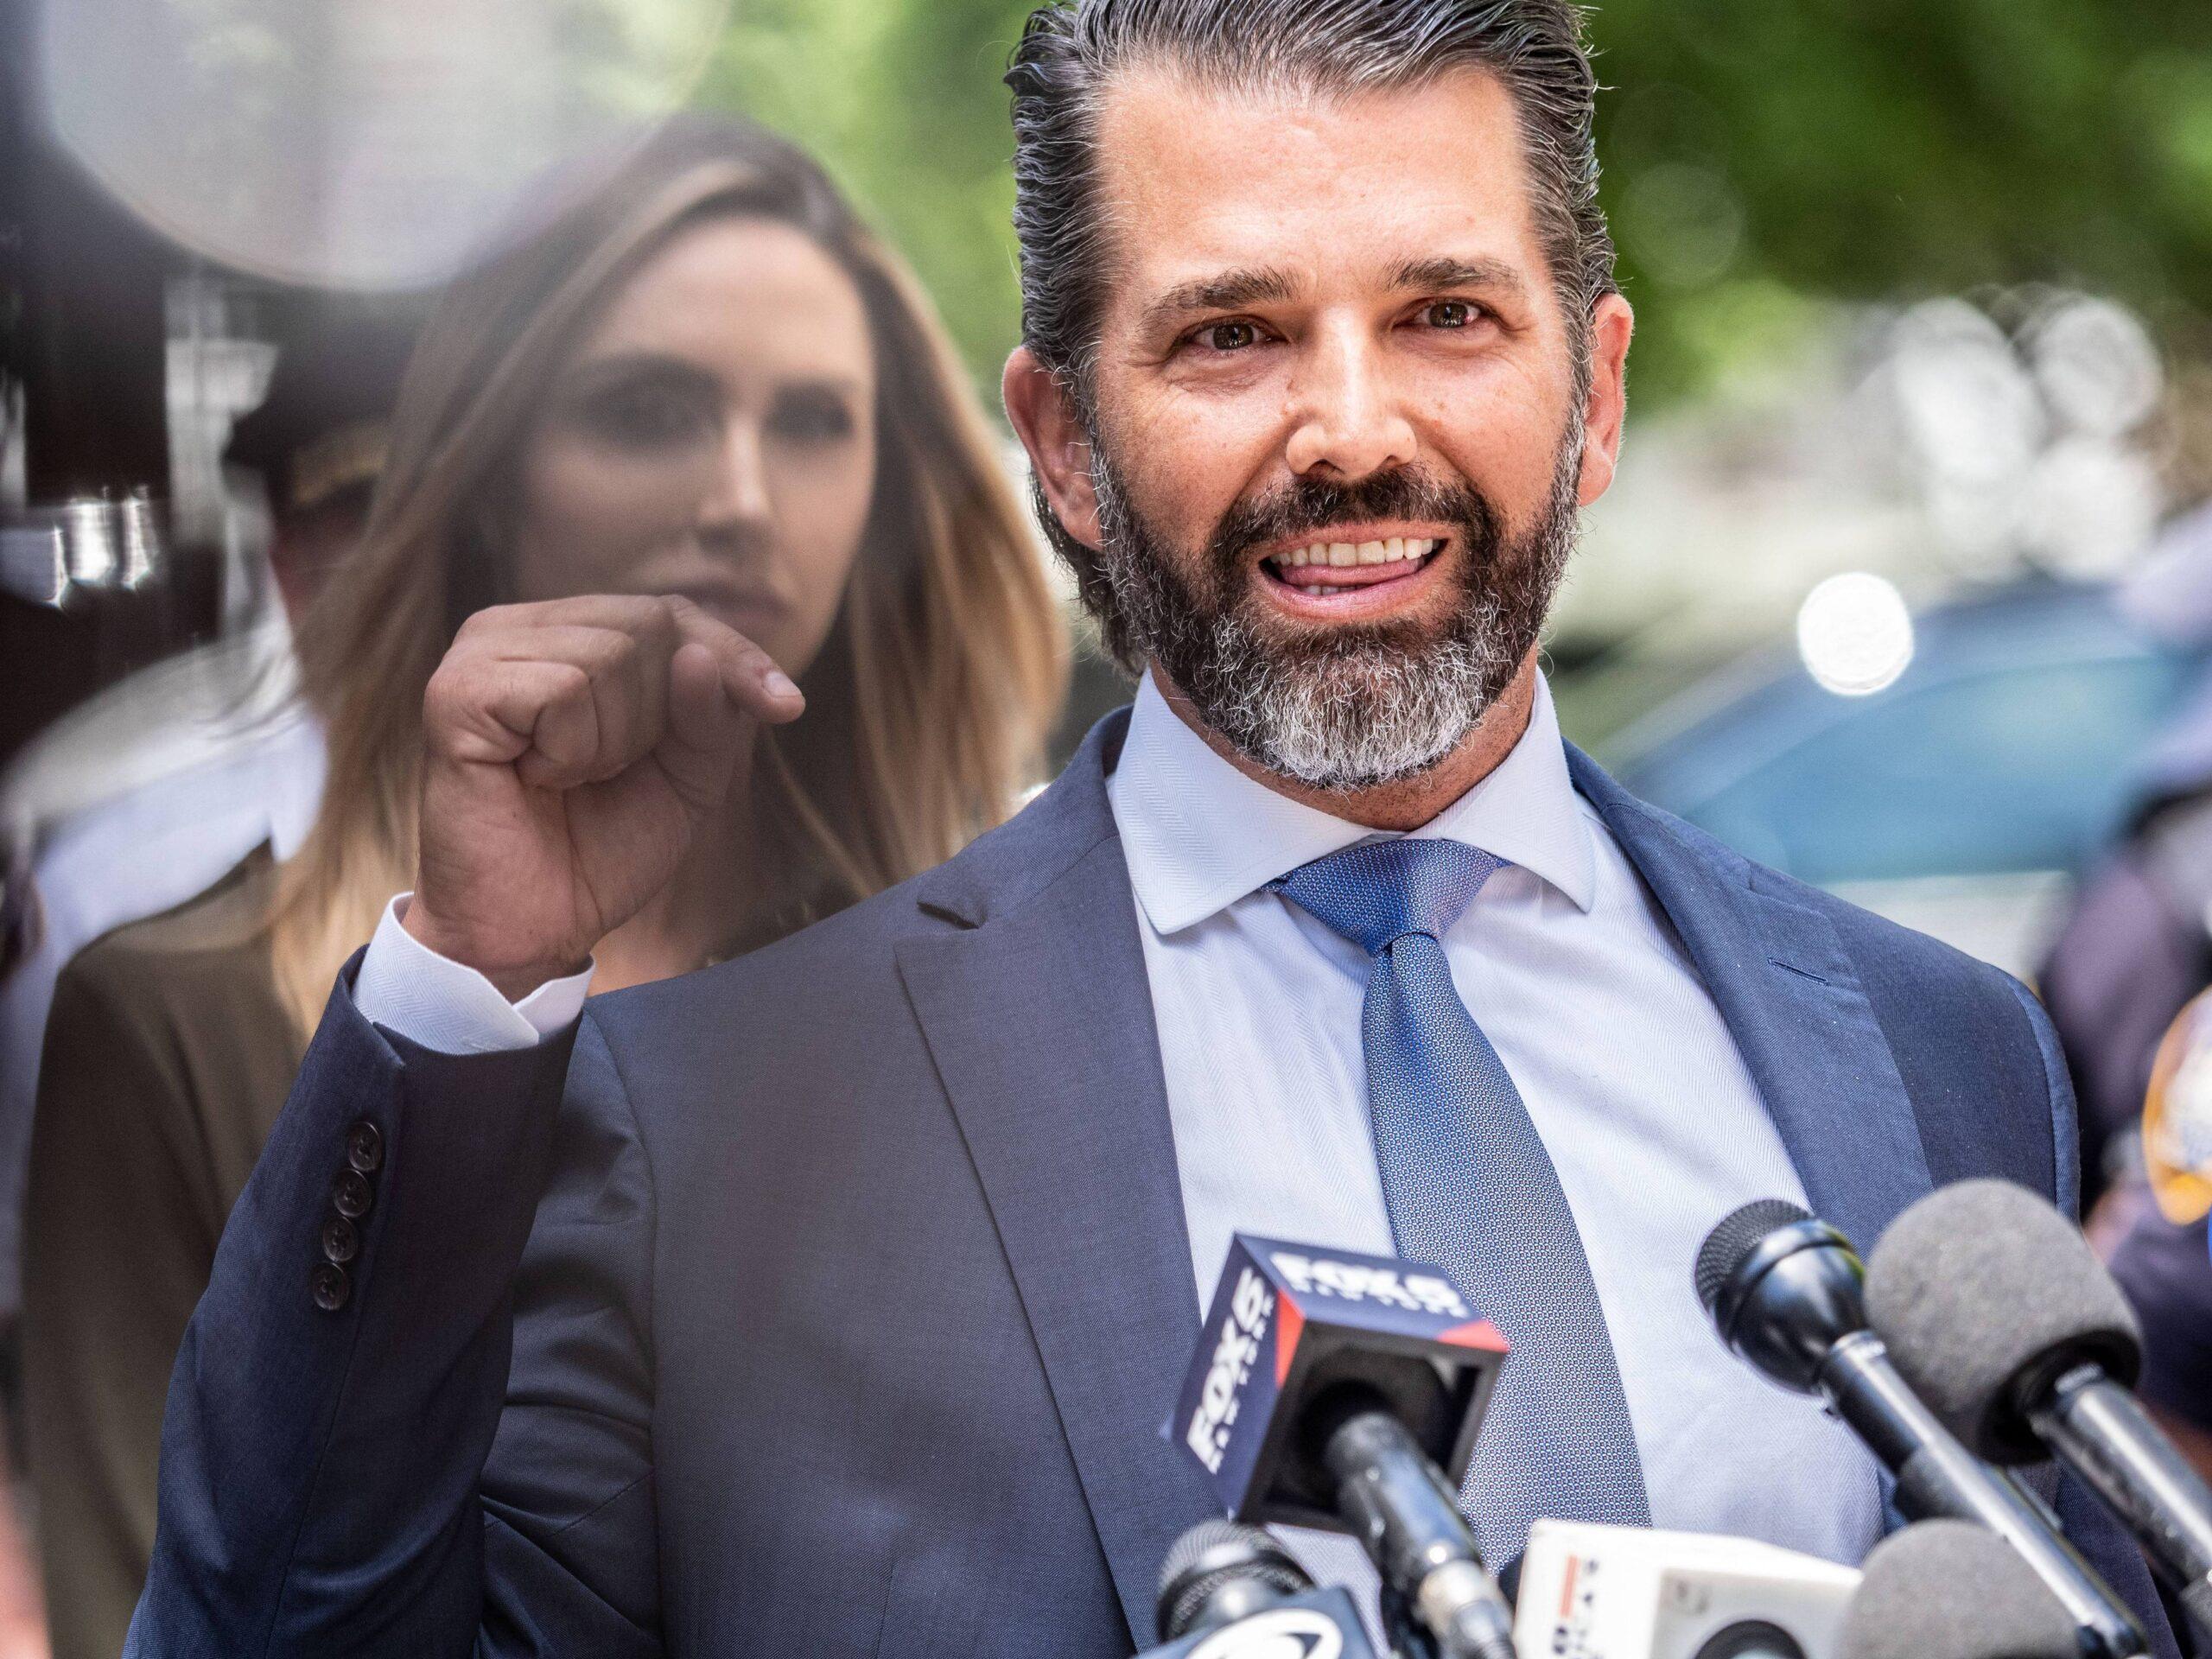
1072, 49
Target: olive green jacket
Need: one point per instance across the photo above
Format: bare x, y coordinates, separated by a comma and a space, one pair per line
166, 1060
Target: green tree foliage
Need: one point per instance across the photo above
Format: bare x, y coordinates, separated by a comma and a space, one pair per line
902, 99
1759, 154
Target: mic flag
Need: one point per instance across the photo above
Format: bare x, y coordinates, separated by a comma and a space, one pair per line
1290, 1324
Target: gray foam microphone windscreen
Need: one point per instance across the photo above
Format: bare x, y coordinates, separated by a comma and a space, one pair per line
1953, 1590
1981, 1285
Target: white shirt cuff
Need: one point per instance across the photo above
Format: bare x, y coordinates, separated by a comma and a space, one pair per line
406, 987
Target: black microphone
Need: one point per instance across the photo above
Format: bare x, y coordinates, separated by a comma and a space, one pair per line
1326, 1389
1953, 1590
1786, 1292
1396, 1502
2013, 1333
1227, 1591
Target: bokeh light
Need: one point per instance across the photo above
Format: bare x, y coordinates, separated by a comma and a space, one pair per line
1855, 633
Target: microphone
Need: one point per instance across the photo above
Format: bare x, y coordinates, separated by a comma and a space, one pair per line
1227, 1591
1631, 1592
1220, 1572
2011, 1329
1952, 1590
1326, 1389
1786, 1292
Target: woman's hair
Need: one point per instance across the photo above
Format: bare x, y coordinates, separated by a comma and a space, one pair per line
928, 705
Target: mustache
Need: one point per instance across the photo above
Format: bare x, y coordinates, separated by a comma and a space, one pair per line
1311, 506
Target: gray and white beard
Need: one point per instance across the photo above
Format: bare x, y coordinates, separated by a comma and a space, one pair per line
1355, 708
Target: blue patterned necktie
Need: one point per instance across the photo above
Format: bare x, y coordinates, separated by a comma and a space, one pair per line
1470, 1188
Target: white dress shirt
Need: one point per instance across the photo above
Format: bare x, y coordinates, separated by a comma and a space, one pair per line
1576, 976
1626, 1066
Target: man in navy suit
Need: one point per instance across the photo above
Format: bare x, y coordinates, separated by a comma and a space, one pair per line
830, 1301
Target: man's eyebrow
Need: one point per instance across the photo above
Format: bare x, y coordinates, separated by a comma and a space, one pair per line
1227, 290
1448, 272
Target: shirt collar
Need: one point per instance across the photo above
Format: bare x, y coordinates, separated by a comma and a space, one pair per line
1199, 834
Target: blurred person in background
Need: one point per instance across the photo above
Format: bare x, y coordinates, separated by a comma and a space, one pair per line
2153, 1230
2136, 944
701, 376
2125, 983
141, 799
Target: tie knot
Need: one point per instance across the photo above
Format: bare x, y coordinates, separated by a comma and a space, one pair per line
1376, 893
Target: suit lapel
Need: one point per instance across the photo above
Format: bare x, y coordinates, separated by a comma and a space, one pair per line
1038, 1017
1796, 1008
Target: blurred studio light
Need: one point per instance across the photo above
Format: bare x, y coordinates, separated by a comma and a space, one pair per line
352, 143
1855, 633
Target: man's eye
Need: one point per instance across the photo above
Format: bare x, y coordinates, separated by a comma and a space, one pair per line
1450, 314
1228, 336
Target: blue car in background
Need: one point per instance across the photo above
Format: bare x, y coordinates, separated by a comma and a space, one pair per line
1964, 798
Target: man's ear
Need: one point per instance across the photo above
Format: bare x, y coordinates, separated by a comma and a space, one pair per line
1611, 325
1059, 449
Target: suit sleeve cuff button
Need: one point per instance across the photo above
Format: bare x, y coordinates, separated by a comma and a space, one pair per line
353, 1195
330, 1287
364, 1146
341, 1241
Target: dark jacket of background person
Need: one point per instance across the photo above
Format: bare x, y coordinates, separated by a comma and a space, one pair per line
166, 1061
829, 1302
2166, 1269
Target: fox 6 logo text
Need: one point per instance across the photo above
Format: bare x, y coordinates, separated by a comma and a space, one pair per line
1353, 1281
1234, 1356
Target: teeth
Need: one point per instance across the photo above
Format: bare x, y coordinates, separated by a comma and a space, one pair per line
1337, 555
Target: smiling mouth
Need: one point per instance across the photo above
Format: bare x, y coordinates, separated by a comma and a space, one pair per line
1320, 569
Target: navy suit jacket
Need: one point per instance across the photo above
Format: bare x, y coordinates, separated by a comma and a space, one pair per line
829, 1302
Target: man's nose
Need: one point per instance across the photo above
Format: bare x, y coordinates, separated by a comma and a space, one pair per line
1345, 419
737, 492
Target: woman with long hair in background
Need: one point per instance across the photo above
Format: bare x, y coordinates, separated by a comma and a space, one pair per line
698, 375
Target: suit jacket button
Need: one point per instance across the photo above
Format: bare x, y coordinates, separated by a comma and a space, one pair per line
331, 1286
341, 1242
353, 1195
364, 1148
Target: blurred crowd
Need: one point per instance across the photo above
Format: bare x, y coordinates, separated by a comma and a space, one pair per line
679, 366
